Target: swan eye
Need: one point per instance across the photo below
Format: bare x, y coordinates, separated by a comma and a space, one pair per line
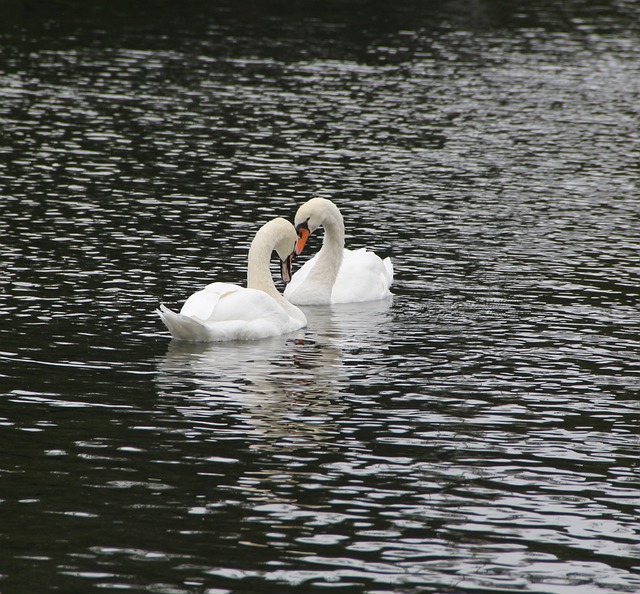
300, 226
303, 235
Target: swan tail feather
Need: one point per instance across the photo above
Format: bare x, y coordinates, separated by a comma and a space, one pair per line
389, 266
182, 327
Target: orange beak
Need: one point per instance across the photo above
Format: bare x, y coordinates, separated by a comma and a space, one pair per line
303, 235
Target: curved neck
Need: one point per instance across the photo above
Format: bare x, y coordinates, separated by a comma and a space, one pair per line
330, 256
258, 273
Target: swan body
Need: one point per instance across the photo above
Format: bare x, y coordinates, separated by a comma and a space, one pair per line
335, 274
224, 312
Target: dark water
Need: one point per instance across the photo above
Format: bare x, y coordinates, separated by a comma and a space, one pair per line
479, 432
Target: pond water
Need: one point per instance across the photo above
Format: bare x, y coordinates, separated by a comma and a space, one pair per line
476, 432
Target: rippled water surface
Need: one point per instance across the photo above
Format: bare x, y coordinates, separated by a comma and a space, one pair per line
477, 432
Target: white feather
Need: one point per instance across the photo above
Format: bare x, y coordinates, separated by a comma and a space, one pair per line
223, 311
336, 274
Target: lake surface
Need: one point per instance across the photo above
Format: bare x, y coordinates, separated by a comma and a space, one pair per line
476, 433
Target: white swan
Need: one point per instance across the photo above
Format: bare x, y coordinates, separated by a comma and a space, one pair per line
335, 274
222, 311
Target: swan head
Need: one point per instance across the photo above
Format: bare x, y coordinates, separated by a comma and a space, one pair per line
284, 238
317, 212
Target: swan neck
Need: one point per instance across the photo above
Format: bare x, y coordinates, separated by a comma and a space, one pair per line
333, 243
258, 273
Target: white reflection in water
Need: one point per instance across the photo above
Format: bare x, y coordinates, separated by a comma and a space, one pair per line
285, 387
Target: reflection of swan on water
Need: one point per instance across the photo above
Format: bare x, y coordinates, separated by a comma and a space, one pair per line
226, 312
350, 325
283, 387
335, 274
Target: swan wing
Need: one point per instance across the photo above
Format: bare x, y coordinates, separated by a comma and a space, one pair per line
363, 276
249, 305
230, 313
202, 304
183, 327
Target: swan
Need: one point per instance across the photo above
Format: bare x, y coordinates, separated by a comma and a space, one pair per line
223, 311
335, 274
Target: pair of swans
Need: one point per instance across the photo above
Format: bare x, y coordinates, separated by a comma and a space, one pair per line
222, 311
